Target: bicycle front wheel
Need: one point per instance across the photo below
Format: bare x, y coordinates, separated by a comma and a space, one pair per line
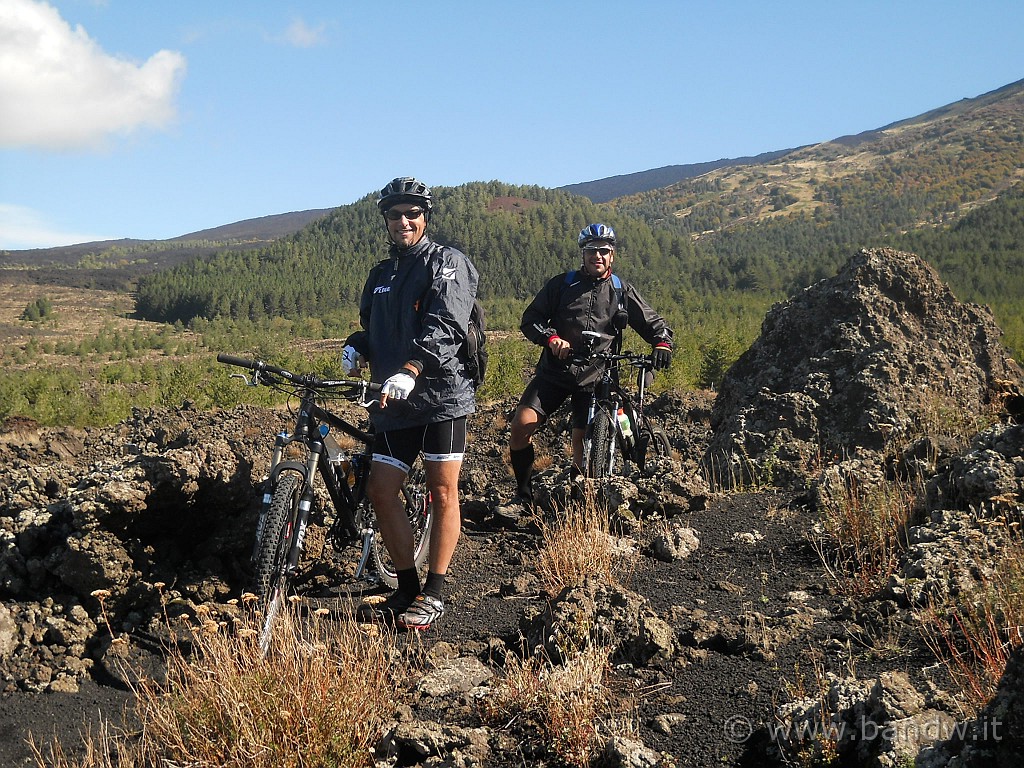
270, 579
420, 512
659, 441
598, 445
652, 441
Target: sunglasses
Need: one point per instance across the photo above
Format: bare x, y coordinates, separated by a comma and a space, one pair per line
393, 215
600, 251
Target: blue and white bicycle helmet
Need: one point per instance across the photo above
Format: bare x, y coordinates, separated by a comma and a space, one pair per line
593, 232
405, 189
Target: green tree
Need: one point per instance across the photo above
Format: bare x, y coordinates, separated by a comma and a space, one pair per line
38, 309
716, 357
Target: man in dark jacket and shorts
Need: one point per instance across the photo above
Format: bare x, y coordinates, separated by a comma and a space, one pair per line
414, 312
589, 299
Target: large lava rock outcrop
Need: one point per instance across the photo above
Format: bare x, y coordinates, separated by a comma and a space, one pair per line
851, 366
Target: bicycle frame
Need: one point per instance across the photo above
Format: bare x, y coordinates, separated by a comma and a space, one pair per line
290, 482
312, 429
355, 519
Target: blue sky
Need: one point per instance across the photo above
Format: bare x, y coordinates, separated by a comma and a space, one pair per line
156, 118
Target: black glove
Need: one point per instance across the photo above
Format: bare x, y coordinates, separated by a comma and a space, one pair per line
661, 357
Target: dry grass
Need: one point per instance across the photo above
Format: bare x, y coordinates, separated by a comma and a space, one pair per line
570, 705
106, 749
320, 696
804, 731
938, 416
862, 534
575, 544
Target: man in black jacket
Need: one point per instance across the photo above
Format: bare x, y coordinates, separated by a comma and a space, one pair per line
589, 299
414, 312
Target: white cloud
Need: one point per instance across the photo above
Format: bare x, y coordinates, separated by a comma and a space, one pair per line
301, 35
60, 90
22, 228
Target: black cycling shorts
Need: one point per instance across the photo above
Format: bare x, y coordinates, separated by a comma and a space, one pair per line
545, 398
440, 441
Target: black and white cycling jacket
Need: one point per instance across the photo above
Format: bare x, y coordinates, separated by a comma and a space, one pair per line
415, 309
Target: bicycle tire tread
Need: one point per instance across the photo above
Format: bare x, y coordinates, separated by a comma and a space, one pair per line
274, 546
599, 437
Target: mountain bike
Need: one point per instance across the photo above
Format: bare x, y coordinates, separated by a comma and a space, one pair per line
312, 452
617, 426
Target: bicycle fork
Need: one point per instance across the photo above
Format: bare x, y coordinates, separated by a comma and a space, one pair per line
305, 506
602, 394
613, 433
588, 441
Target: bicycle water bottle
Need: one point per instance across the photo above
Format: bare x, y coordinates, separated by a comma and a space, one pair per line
337, 456
624, 427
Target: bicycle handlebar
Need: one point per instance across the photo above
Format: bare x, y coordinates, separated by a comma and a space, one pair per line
308, 380
634, 359
254, 365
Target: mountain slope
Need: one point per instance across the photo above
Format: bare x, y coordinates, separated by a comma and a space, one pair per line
603, 190
148, 255
517, 236
262, 229
701, 197
709, 249
923, 171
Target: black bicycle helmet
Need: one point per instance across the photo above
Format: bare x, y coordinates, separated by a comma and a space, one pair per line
593, 232
405, 189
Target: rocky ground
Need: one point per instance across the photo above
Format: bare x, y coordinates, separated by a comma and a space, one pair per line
728, 633
748, 607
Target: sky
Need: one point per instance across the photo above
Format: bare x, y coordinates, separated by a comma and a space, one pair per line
153, 119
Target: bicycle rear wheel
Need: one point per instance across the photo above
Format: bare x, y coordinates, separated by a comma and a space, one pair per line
420, 511
598, 445
270, 578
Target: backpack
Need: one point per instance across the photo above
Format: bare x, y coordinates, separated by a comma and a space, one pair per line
475, 346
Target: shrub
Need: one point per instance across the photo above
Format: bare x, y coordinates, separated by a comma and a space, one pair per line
860, 536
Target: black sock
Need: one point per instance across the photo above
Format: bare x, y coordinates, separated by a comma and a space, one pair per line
522, 468
409, 582
434, 584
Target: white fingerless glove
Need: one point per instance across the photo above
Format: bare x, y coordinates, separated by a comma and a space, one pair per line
350, 360
398, 386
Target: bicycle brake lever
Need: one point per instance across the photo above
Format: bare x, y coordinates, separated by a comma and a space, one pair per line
244, 378
364, 400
